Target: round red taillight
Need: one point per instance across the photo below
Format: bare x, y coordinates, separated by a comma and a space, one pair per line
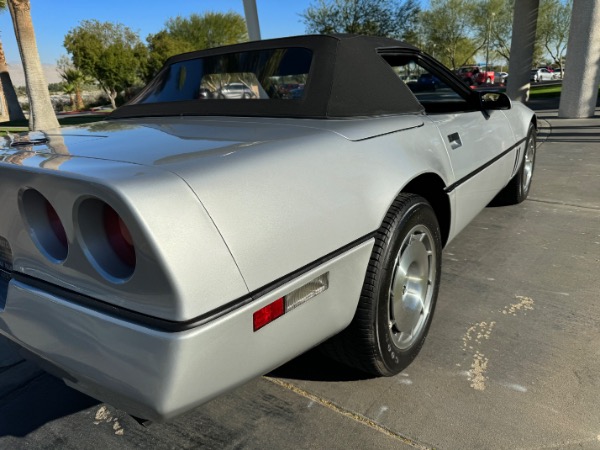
118, 236
56, 224
44, 225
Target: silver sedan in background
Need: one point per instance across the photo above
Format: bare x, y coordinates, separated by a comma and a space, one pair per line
542, 74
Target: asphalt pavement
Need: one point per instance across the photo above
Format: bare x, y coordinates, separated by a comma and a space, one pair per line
511, 360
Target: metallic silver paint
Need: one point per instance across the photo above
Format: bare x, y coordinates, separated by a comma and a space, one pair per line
157, 375
290, 207
483, 137
175, 243
219, 207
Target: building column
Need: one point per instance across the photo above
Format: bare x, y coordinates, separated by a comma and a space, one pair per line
521, 49
582, 73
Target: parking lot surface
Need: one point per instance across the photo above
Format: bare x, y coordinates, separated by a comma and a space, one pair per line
511, 361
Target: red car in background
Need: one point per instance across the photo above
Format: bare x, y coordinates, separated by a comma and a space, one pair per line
474, 75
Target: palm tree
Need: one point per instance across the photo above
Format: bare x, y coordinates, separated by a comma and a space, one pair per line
69, 88
10, 109
73, 79
41, 114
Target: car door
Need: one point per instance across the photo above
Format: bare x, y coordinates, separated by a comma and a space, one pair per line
475, 142
479, 143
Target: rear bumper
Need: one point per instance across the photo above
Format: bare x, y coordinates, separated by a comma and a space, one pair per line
157, 375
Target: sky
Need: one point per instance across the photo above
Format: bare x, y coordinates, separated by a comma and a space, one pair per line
53, 19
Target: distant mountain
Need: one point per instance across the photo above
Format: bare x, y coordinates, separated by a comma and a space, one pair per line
18, 76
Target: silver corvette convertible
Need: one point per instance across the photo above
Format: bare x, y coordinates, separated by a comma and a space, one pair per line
194, 241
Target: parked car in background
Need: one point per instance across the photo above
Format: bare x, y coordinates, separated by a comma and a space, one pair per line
297, 93
428, 81
542, 74
205, 93
475, 75
500, 77
235, 90
183, 247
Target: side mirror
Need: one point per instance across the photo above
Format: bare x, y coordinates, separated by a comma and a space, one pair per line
494, 101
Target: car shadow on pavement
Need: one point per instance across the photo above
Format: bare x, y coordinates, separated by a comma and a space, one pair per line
315, 366
35, 400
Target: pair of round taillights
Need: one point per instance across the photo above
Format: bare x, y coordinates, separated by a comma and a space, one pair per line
105, 239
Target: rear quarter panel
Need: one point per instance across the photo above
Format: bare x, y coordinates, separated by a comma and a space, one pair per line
283, 204
175, 240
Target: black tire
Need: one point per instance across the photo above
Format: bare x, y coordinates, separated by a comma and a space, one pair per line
517, 189
374, 342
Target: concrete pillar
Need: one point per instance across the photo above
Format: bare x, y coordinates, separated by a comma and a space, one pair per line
252, 20
521, 49
582, 73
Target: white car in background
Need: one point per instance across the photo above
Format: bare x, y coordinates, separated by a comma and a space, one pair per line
235, 90
542, 74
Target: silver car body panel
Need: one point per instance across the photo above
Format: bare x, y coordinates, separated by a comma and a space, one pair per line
479, 138
227, 214
160, 285
230, 163
307, 212
157, 375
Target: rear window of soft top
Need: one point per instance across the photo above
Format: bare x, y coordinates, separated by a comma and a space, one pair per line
252, 75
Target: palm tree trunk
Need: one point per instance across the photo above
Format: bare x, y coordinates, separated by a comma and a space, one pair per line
79, 99
10, 109
41, 115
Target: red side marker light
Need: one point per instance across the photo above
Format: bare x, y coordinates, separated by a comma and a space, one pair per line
268, 313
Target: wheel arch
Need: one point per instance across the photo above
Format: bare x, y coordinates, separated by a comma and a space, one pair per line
431, 187
534, 122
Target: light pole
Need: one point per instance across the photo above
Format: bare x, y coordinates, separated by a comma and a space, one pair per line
252, 20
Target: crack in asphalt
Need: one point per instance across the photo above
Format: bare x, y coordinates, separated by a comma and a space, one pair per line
563, 444
571, 205
347, 413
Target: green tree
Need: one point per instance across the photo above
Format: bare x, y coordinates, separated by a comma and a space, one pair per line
41, 114
74, 80
56, 88
196, 32
553, 28
110, 53
492, 26
162, 46
448, 30
501, 28
391, 18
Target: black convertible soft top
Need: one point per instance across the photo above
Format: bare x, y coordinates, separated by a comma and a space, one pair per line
347, 78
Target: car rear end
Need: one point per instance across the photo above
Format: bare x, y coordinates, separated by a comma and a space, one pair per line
114, 278
94, 264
